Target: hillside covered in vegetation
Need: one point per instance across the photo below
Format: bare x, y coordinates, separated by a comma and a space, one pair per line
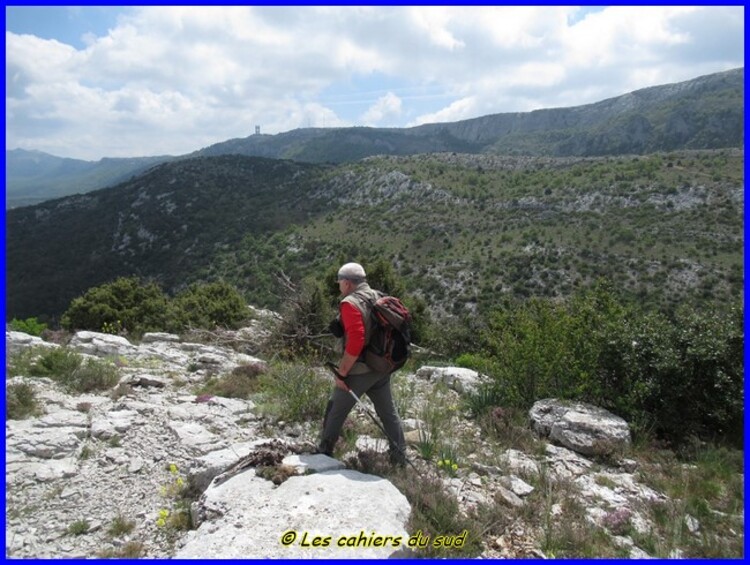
465, 232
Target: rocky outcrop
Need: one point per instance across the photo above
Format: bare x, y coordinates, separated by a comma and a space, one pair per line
94, 457
101, 344
333, 514
124, 455
16, 341
456, 378
581, 427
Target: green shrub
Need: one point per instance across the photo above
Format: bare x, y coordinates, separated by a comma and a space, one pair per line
120, 526
91, 375
421, 325
457, 338
130, 306
52, 362
695, 368
208, 305
240, 383
131, 549
79, 527
20, 401
126, 304
531, 352
30, 326
677, 377
294, 392
68, 368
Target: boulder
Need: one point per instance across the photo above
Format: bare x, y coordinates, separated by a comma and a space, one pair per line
111, 424
584, 428
335, 514
312, 463
195, 436
457, 378
101, 344
16, 341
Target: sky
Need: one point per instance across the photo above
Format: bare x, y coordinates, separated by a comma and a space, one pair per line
94, 82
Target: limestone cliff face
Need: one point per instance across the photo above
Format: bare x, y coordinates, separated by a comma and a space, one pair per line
706, 112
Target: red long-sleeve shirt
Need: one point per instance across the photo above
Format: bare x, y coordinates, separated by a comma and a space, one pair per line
354, 327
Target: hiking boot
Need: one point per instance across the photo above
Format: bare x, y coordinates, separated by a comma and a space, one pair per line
324, 448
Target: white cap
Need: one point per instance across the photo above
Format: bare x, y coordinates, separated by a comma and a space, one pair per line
353, 272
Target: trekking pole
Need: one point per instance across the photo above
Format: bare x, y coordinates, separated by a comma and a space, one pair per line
334, 369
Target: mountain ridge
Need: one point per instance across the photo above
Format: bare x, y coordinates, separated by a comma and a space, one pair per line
702, 113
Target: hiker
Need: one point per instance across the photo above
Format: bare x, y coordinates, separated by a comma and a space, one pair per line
352, 324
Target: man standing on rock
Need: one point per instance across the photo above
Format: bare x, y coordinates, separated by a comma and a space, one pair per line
352, 324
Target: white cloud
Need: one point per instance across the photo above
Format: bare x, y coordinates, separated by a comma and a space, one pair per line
435, 21
624, 34
386, 107
462, 109
173, 79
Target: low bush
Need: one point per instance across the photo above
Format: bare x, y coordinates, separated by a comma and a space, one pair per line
120, 526
130, 306
79, 527
240, 383
126, 304
38, 362
30, 326
677, 376
294, 393
91, 375
66, 367
210, 305
130, 549
20, 401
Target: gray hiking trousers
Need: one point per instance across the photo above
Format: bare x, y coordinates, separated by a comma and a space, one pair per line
378, 387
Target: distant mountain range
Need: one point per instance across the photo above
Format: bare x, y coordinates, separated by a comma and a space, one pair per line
33, 176
703, 113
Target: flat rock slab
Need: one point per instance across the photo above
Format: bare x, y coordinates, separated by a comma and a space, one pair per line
336, 514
